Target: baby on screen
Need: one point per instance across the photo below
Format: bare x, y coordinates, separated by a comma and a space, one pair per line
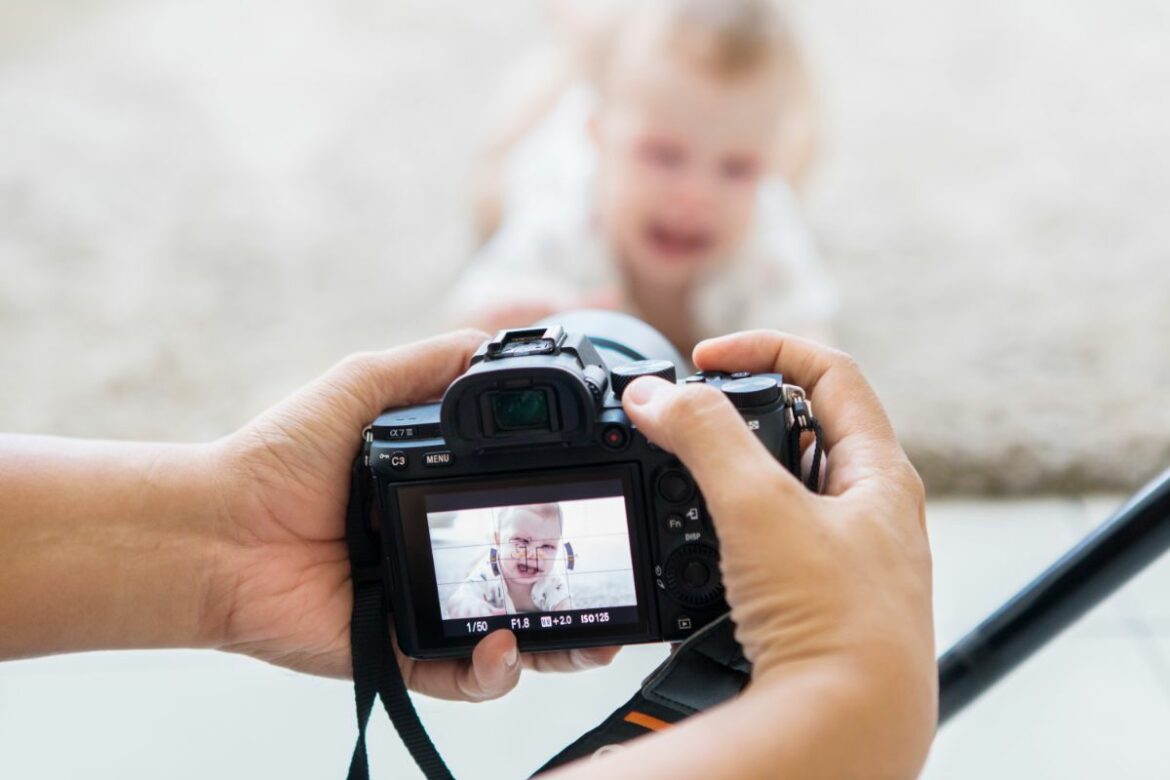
522, 571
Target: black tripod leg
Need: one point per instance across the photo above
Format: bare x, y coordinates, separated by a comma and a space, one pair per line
1105, 560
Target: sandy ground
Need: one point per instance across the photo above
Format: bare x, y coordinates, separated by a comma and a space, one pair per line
204, 205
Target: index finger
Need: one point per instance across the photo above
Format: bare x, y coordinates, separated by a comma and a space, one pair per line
856, 428
404, 375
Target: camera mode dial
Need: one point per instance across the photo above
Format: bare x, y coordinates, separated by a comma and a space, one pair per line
621, 376
692, 575
752, 391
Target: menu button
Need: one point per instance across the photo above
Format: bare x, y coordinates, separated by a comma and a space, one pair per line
438, 458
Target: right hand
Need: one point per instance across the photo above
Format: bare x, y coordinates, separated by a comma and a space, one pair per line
839, 581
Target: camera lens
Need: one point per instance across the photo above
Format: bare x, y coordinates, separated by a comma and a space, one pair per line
520, 410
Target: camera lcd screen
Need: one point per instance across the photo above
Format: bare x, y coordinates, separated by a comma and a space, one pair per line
549, 557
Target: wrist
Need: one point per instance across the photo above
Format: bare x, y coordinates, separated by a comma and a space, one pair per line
875, 709
172, 574
217, 542
211, 538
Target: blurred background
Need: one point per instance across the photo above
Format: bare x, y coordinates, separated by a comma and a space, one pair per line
204, 205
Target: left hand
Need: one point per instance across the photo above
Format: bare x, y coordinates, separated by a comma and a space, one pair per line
281, 588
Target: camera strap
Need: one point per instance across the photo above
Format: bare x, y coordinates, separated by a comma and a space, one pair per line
376, 673
707, 669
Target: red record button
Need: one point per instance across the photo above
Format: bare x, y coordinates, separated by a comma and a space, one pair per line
615, 437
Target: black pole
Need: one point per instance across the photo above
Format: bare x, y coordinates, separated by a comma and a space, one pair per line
1101, 563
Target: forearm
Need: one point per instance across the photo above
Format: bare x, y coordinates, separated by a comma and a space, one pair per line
820, 722
104, 545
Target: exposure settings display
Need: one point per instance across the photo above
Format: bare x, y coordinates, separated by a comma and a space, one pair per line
548, 621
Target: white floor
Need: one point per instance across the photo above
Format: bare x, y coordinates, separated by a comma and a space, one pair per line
1094, 704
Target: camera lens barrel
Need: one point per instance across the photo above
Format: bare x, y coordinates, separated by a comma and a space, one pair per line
619, 338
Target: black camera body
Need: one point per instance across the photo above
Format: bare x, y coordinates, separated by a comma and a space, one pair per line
527, 500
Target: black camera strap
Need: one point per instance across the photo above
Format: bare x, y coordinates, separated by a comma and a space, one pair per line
706, 670
376, 673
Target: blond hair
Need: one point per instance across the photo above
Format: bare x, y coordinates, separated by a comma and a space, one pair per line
547, 512
727, 39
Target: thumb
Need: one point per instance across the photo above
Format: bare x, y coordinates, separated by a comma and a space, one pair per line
494, 668
699, 425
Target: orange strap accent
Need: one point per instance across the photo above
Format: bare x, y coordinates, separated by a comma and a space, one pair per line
646, 721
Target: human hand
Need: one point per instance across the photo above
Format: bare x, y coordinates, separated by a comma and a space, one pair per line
839, 581
280, 589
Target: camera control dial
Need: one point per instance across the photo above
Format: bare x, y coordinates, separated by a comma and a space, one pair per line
692, 575
752, 391
623, 375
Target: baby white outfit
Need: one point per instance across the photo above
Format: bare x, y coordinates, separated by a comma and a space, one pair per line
485, 592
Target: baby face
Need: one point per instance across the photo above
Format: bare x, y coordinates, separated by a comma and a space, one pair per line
681, 154
528, 543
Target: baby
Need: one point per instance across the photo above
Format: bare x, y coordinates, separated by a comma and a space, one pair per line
522, 572
655, 178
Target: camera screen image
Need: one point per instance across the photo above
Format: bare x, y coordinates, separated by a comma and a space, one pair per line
517, 552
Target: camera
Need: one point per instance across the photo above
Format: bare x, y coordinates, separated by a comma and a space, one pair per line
527, 500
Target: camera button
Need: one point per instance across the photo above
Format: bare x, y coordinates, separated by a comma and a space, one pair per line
615, 437
398, 460
438, 458
696, 574
674, 524
675, 486
752, 391
692, 576
621, 377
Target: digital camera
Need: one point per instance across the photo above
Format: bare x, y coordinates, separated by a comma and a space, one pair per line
527, 500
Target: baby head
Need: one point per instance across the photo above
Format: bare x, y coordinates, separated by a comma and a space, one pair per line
698, 100
529, 539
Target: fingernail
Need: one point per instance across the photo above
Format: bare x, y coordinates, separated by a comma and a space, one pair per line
511, 658
641, 391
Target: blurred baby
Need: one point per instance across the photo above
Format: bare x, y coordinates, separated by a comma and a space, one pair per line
652, 171
521, 572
